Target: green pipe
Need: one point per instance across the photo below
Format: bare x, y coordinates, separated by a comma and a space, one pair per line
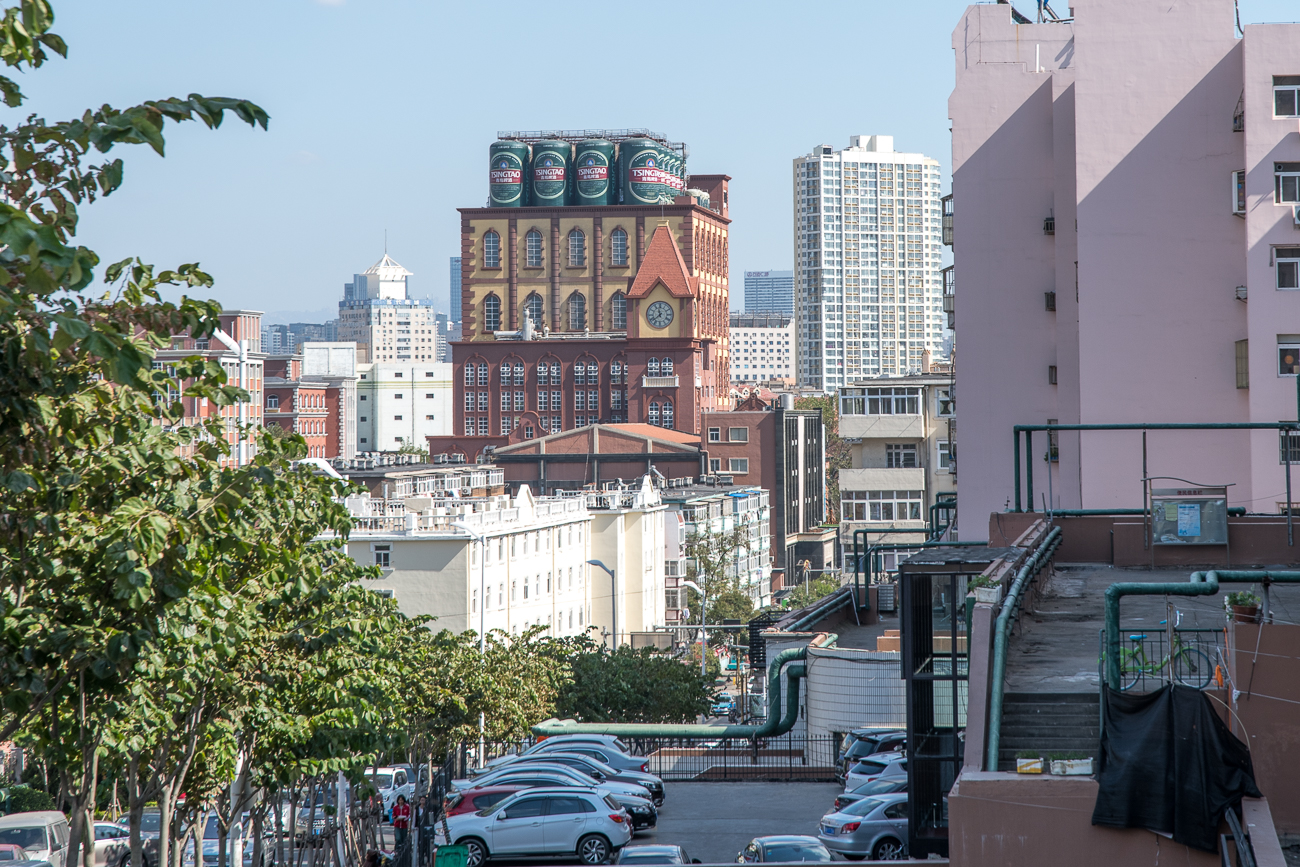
820, 611
1002, 631
1016, 453
1200, 584
772, 726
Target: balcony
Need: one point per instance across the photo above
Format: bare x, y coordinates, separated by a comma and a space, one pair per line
950, 295
946, 202
659, 381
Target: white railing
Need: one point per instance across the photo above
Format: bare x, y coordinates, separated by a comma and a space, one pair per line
659, 381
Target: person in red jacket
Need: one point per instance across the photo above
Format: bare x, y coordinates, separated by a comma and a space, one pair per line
401, 821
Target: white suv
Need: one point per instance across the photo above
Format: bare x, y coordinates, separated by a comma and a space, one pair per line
875, 767
543, 821
391, 782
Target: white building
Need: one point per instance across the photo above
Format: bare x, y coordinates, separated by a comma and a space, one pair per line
525, 557
377, 313
400, 404
719, 509
769, 292
762, 346
867, 245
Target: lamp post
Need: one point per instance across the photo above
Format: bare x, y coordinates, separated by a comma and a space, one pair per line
704, 641
482, 613
613, 598
240, 348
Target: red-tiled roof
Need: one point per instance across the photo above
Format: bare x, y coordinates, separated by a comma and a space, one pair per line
663, 263
660, 433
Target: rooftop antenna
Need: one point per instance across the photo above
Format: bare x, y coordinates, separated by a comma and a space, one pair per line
385, 242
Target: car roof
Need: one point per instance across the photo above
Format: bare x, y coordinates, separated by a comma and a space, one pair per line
557, 790
486, 790
654, 848
885, 758
531, 764
787, 838
35, 817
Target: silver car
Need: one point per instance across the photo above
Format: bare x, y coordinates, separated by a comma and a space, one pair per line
541, 774
876, 767
874, 827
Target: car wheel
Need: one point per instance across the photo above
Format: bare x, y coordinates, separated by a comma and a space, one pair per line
888, 850
476, 853
593, 849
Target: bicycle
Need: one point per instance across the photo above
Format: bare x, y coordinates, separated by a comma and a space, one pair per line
1191, 665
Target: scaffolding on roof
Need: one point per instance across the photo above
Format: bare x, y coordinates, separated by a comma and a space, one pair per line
573, 136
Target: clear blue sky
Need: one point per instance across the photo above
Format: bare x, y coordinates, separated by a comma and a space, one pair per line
382, 112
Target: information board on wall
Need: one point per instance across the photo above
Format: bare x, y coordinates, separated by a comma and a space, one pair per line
1189, 516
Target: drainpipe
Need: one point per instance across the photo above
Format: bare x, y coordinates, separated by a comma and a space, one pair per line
1001, 632
772, 726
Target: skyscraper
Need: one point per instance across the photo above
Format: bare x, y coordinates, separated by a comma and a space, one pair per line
867, 254
455, 288
769, 292
378, 313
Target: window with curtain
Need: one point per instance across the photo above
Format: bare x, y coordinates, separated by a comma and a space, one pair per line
533, 249
577, 312
619, 305
618, 247
577, 249
491, 250
492, 313
652, 367
534, 308
654, 413
668, 415
666, 366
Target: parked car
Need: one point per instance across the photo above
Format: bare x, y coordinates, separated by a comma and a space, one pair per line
239, 832
43, 834
608, 741
12, 852
600, 772
511, 775
654, 854
878, 786
390, 782
112, 845
875, 767
608, 751
545, 821
635, 798
473, 800
873, 827
150, 823
860, 743
722, 705
785, 848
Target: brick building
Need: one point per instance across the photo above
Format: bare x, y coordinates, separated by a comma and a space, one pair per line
574, 316
314, 393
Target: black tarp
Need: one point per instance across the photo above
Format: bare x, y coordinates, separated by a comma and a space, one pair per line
1169, 764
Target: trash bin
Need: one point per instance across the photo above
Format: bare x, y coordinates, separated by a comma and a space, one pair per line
451, 856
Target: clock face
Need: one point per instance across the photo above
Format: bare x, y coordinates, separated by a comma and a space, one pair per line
660, 314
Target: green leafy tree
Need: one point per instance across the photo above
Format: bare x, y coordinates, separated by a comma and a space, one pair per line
635, 686
809, 592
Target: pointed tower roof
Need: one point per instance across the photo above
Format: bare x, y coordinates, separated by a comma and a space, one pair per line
663, 263
387, 269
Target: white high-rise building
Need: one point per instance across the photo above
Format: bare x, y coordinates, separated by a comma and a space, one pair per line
867, 250
378, 314
402, 405
762, 347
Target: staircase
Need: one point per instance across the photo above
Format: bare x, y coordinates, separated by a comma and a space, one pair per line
1049, 722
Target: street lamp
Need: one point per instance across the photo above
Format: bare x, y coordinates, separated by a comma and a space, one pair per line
704, 641
481, 538
240, 348
613, 598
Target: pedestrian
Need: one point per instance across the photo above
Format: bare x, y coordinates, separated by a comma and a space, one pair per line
401, 822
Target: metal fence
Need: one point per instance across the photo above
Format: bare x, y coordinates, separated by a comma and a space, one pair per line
1149, 660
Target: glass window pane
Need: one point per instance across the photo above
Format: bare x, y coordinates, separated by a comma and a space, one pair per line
1284, 102
1288, 275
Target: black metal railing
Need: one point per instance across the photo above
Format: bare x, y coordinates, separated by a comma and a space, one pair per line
1147, 660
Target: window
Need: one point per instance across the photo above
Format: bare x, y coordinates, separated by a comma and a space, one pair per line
483, 374
383, 556
483, 426
543, 401
616, 369
397, 418
428, 396
1288, 354
505, 401
715, 465
1288, 267
580, 400
491, 314
1286, 183
853, 505
519, 373
525, 809
652, 367
1241, 349
893, 401
619, 306
273, 401
668, 415
1239, 193
534, 308
533, 249
1286, 100
945, 455
666, 366
580, 373
943, 401
737, 434
1288, 439
900, 455
738, 465
715, 435
893, 505
482, 401
469, 374
618, 247
577, 312
577, 249
519, 401
653, 415
397, 397
491, 250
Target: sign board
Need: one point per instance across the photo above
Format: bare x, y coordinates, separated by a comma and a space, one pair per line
1189, 516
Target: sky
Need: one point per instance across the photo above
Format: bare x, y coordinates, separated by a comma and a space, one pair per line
382, 112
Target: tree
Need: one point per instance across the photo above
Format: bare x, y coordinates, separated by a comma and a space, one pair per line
810, 591
710, 563
838, 456
633, 686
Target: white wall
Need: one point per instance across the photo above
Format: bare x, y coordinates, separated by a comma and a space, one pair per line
424, 405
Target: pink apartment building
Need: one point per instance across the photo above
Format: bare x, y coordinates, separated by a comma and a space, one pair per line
1126, 248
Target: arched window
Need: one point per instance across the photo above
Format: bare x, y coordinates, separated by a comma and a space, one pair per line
273, 401
469, 373
654, 413
652, 367
668, 415
618, 247
577, 249
519, 373
666, 366
483, 374
577, 312
534, 309
492, 313
533, 249
491, 250
619, 305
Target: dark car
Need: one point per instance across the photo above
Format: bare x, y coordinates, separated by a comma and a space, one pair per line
600, 772
473, 800
861, 743
654, 854
886, 786
783, 849
601, 752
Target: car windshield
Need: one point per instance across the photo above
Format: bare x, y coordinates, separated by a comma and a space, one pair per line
862, 747
877, 787
28, 838
8, 854
649, 859
210, 831
150, 822
868, 768
795, 852
861, 808
382, 781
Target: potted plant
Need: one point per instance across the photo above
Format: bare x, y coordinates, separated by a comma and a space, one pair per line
1071, 764
1244, 606
1029, 762
986, 589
